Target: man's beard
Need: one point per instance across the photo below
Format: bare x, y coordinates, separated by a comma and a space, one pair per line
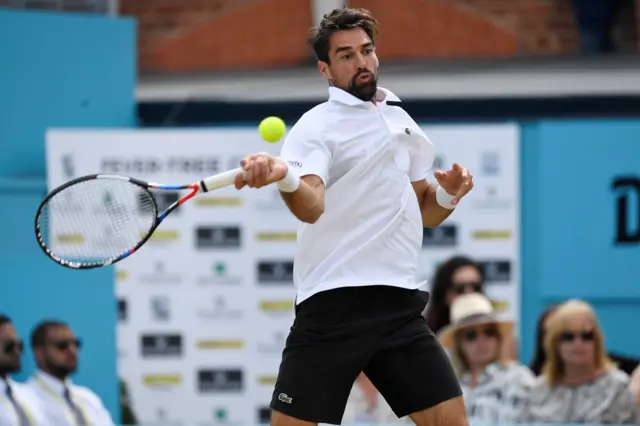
59, 371
363, 91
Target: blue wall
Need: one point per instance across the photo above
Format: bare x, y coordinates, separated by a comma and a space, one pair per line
58, 71
569, 224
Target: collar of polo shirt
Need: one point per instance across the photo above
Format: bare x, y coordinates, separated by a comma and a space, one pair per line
382, 96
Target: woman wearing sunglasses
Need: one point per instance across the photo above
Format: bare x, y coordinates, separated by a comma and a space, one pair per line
579, 383
455, 277
495, 389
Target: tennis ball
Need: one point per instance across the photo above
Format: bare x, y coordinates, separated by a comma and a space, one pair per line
272, 129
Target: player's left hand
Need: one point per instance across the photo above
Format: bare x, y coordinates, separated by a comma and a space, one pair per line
457, 182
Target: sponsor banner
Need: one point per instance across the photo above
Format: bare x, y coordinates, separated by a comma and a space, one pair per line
205, 307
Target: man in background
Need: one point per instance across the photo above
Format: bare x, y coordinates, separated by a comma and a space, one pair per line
18, 405
55, 348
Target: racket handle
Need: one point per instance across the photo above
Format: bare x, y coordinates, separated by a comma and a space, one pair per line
220, 180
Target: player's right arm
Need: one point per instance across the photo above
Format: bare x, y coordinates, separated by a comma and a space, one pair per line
301, 171
309, 158
307, 202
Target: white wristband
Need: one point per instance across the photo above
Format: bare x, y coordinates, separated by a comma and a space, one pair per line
444, 199
290, 182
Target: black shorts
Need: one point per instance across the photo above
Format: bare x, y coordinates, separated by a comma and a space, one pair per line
378, 330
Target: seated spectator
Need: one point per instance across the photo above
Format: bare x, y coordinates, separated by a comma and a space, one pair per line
56, 351
366, 405
457, 276
494, 388
579, 383
18, 405
624, 363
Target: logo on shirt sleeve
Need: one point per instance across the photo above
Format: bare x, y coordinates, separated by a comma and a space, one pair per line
294, 163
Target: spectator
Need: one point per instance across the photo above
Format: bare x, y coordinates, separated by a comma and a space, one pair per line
366, 405
579, 383
18, 405
127, 414
624, 363
55, 347
458, 275
494, 388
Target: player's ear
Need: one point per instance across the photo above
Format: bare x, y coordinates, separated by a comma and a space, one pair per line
323, 67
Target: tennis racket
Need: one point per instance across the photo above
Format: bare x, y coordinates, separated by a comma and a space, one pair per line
98, 220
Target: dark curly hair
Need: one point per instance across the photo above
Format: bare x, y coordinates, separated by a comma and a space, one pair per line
438, 313
339, 20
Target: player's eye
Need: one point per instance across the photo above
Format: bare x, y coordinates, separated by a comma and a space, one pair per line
347, 56
368, 51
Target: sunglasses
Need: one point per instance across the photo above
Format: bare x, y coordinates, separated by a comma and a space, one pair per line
472, 335
462, 288
11, 346
63, 345
570, 336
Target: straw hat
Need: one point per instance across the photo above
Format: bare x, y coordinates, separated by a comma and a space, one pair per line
468, 310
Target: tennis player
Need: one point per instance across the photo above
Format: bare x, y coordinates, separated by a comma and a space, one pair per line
353, 171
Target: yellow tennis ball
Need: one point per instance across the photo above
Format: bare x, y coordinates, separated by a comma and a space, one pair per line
272, 129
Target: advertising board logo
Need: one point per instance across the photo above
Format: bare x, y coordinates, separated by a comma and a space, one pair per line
122, 310
218, 237
219, 310
161, 345
160, 274
267, 380
500, 305
163, 236
220, 344
217, 201
274, 344
496, 271
491, 234
276, 307
160, 308
121, 275
490, 163
627, 217
219, 274
441, 236
220, 380
275, 272
161, 381
276, 236
149, 165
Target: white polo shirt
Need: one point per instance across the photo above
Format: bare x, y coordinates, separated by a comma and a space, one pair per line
367, 155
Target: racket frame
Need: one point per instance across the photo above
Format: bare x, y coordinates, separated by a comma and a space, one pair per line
208, 184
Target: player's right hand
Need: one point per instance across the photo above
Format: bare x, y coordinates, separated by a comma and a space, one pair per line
261, 169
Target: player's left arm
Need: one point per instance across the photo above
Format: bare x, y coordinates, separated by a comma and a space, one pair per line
432, 213
436, 201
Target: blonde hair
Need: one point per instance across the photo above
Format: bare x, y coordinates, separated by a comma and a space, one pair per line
458, 361
553, 368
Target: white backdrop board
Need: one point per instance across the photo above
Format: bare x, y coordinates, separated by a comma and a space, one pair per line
205, 306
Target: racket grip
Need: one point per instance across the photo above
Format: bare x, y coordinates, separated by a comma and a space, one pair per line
220, 180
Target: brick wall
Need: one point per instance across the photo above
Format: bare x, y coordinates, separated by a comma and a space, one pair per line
200, 35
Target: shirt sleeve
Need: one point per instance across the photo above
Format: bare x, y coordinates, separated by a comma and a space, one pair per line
305, 151
422, 155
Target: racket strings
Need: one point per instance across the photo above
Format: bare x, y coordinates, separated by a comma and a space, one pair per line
96, 220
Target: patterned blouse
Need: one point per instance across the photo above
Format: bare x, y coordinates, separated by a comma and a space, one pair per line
500, 394
607, 399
